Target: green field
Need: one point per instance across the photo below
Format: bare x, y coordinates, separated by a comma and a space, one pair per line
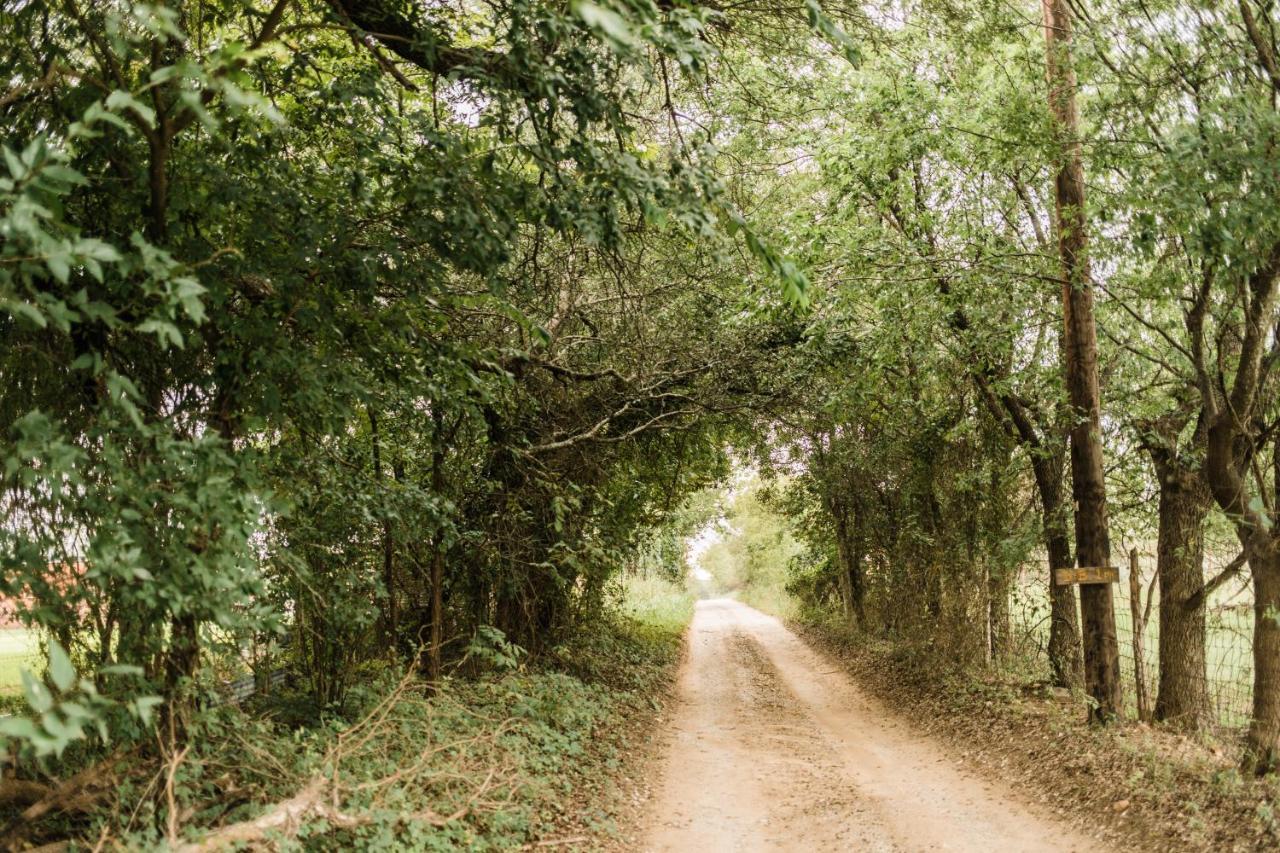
19, 650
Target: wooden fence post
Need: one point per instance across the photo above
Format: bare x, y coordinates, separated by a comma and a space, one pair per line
1139, 622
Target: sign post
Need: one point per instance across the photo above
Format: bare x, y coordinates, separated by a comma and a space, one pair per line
1086, 574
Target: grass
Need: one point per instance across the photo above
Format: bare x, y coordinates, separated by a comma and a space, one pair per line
19, 650
656, 602
772, 598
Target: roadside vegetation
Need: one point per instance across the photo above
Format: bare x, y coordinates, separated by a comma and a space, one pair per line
355, 354
514, 753
750, 550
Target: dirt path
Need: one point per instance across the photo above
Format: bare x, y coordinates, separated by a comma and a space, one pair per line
774, 749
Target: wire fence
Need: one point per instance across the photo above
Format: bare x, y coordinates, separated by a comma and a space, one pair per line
1228, 639
20, 649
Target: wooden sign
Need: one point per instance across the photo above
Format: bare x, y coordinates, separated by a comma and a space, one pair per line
1086, 574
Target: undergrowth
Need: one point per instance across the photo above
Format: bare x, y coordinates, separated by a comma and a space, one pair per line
770, 598
491, 763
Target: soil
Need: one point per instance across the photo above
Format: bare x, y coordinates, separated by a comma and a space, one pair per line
1135, 786
773, 747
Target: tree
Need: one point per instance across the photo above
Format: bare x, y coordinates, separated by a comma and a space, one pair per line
1080, 367
331, 324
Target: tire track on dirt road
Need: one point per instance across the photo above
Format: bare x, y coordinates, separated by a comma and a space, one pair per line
773, 748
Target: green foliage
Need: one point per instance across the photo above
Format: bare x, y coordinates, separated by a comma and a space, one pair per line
64, 706
302, 306
657, 601
506, 755
493, 650
339, 336
753, 549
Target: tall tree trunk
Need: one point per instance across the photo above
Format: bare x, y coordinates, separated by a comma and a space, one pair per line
1263, 743
180, 665
1183, 694
933, 569
857, 582
390, 613
1080, 343
1066, 662
848, 552
1227, 470
434, 665
1138, 617
839, 523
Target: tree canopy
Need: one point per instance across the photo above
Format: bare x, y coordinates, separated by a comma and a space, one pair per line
345, 331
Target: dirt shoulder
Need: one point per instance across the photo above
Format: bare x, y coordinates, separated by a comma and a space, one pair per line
637, 774
605, 795
1135, 786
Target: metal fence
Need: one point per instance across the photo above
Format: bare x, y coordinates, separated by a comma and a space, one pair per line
1228, 639
20, 650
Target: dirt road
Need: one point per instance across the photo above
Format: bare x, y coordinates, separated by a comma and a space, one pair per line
775, 749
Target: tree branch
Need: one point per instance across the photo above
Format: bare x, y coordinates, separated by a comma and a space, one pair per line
1200, 596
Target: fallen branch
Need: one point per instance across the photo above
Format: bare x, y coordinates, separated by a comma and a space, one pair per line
286, 818
557, 842
22, 792
77, 794
319, 798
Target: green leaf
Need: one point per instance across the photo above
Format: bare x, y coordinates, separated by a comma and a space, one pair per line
18, 727
188, 292
121, 669
166, 332
63, 173
122, 100
16, 167
607, 22
37, 694
162, 75
143, 707
58, 265
91, 247
27, 310
61, 671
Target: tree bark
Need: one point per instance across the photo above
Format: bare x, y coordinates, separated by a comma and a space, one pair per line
1139, 622
1183, 695
1066, 662
1262, 746
1231, 447
857, 584
181, 663
999, 623
434, 665
851, 568
1080, 344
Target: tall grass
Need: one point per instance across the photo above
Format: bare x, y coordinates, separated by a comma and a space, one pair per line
769, 595
656, 601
